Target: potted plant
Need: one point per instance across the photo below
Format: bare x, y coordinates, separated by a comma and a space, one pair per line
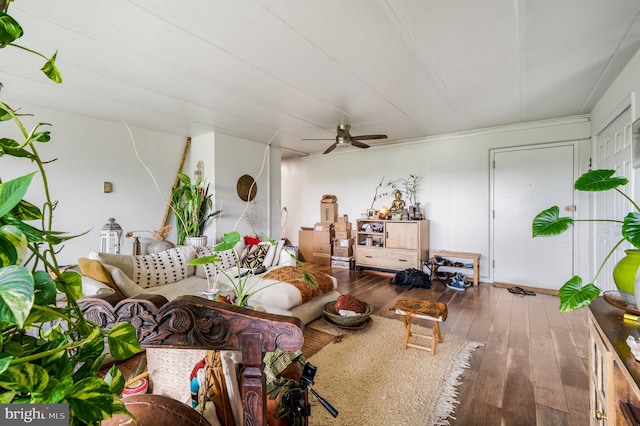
242, 286
573, 294
49, 352
410, 187
192, 204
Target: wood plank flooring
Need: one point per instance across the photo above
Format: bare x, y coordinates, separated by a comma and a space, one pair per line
532, 369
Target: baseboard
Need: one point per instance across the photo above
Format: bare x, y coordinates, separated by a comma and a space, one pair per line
534, 289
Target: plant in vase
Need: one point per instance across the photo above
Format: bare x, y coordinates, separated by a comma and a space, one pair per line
573, 294
409, 186
239, 278
192, 204
49, 352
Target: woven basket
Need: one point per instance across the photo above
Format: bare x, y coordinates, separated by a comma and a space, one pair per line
169, 371
330, 311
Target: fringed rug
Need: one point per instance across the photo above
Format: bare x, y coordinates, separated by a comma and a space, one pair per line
370, 379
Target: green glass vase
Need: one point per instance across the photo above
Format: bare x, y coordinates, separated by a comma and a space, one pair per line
624, 274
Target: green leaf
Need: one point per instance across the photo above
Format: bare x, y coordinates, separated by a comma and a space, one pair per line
599, 180
51, 71
25, 377
7, 397
44, 288
573, 295
73, 282
26, 211
9, 146
5, 360
123, 341
115, 379
205, 260
10, 30
90, 399
16, 294
631, 228
13, 246
12, 192
549, 222
229, 241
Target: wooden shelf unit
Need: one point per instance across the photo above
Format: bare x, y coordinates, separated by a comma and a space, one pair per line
614, 374
393, 245
456, 255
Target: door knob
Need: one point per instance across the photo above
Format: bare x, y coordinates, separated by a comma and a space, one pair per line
600, 415
570, 208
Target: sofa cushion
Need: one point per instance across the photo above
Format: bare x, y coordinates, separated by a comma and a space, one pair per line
227, 260
125, 285
271, 254
276, 257
253, 255
154, 269
94, 269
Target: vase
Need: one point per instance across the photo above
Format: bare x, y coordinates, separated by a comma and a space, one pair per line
159, 245
624, 275
200, 241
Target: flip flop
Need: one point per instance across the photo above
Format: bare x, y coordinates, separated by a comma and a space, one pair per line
517, 290
521, 291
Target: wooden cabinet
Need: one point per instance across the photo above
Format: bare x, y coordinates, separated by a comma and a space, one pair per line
391, 244
614, 373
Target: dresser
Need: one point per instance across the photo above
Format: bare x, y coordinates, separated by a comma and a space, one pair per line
391, 244
614, 373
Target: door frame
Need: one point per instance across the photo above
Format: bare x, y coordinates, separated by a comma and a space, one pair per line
578, 202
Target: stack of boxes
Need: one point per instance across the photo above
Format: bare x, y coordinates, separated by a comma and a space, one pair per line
342, 244
329, 242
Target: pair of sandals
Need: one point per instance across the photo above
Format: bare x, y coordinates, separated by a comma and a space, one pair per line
521, 291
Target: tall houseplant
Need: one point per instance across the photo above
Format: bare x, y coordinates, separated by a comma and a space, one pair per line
49, 352
573, 294
192, 204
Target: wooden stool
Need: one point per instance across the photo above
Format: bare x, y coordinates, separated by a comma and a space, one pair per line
410, 309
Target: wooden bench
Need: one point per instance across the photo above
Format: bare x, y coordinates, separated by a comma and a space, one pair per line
463, 255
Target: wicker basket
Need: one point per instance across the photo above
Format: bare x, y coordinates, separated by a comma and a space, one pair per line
329, 311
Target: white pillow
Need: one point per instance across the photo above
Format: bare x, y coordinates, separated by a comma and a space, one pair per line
124, 283
287, 257
276, 258
268, 258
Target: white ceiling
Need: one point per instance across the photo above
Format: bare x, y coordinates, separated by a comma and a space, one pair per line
297, 69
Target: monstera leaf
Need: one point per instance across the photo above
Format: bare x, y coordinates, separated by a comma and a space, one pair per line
573, 295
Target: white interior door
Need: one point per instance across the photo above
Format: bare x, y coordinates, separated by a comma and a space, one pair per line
525, 181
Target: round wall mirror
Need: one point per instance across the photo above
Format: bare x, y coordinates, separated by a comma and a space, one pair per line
246, 188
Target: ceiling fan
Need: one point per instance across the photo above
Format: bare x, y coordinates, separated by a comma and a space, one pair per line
343, 137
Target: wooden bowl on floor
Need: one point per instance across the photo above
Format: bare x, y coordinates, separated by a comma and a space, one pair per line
329, 311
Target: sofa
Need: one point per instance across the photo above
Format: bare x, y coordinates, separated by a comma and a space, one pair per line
167, 273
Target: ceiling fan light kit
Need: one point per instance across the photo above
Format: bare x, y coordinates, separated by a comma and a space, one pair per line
344, 138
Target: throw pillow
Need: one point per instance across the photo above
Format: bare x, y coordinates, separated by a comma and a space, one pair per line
94, 269
227, 260
251, 241
271, 253
253, 255
276, 257
126, 286
120, 261
287, 257
162, 268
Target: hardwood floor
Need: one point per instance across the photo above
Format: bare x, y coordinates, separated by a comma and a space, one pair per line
532, 369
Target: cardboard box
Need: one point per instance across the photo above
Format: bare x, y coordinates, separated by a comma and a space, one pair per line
342, 262
343, 226
322, 259
322, 248
328, 212
343, 251
323, 233
342, 235
343, 242
305, 244
343, 218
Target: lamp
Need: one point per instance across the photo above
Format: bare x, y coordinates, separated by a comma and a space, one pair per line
110, 237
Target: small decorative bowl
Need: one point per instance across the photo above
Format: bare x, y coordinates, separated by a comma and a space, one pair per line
329, 311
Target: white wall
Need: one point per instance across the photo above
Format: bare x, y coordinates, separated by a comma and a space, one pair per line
235, 157
455, 189
89, 152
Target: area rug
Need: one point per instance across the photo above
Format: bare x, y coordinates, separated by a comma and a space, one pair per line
370, 379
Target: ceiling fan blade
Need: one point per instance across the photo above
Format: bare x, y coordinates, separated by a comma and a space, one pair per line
331, 148
327, 139
359, 144
366, 137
